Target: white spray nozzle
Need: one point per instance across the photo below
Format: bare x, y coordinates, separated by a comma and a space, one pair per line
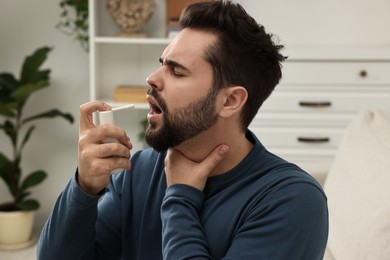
129, 106
107, 117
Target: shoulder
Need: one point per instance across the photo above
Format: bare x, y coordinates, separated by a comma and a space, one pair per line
288, 182
278, 174
284, 186
289, 191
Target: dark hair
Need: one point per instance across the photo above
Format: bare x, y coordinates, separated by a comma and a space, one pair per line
244, 53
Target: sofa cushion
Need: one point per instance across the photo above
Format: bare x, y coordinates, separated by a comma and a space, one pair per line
328, 255
358, 190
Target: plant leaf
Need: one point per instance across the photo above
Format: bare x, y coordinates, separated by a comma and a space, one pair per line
32, 63
24, 195
10, 173
21, 94
10, 131
33, 179
50, 114
41, 75
3, 160
8, 83
28, 205
5, 169
27, 136
6, 109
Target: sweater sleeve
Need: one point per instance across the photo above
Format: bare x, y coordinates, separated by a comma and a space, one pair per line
290, 223
74, 228
69, 232
182, 234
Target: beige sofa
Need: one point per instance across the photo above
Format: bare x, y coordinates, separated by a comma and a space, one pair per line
358, 190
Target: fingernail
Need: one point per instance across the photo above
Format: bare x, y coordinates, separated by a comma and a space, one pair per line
223, 150
107, 106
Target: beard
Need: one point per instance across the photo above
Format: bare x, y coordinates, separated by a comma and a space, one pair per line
181, 124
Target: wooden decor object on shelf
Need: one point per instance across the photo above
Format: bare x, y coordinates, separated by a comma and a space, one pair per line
173, 12
129, 93
131, 15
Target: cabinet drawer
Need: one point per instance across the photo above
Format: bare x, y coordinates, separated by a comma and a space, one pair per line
323, 101
301, 138
303, 120
336, 72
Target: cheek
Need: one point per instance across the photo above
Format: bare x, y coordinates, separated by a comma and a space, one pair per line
179, 92
182, 95
177, 98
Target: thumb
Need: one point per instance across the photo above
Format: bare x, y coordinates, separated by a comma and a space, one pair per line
216, 156
86, 111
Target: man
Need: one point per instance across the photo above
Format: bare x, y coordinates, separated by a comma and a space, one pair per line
208, 189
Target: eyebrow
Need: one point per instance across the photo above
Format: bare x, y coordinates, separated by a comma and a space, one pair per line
173, 63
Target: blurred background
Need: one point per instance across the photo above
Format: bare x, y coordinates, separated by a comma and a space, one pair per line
27, 25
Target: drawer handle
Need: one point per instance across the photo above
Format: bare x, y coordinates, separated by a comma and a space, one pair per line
313, 139
363, 73
315, 104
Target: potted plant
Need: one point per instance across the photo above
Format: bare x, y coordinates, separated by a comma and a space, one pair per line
14, 94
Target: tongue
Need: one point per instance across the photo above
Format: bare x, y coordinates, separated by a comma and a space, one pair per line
157, 110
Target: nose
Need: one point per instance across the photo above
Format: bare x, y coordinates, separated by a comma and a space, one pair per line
154, 80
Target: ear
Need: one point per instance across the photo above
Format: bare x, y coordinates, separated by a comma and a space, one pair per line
234, 99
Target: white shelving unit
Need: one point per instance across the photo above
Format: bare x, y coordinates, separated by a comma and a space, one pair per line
119, 60
342, 79
123, 61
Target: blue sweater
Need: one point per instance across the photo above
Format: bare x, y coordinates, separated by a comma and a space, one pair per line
264, 208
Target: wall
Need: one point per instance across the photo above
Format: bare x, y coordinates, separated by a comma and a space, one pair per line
331, 22
26, 25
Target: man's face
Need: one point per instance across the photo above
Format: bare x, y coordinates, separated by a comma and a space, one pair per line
181, 96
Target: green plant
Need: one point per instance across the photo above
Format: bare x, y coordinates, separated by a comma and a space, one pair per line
14, 94
74, 20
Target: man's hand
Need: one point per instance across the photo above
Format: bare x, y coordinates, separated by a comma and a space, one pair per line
96, 160
180, 169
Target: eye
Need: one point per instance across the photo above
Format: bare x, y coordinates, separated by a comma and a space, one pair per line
177, 73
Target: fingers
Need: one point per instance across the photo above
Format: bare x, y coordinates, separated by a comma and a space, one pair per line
86, 111
101, 161
93, 134
111, 150
99, 173
215, 157
181, 170
96, 157
96, 161
102, 132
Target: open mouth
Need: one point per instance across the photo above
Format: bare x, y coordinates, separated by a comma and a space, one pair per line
154, 107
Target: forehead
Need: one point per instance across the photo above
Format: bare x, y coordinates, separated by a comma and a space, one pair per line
188, 47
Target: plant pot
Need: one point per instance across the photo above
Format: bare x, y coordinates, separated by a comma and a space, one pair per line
16, 229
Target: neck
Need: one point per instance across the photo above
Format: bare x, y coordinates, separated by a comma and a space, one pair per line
199, 147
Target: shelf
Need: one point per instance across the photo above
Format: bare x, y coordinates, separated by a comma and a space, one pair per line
123, 40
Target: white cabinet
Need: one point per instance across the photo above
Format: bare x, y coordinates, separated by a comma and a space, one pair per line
303, 121
321, 90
